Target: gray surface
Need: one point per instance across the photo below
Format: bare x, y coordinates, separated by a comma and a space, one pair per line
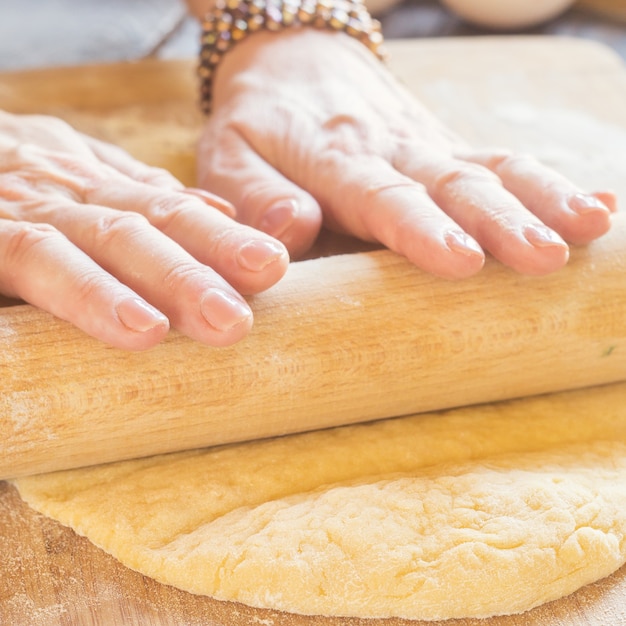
38, 33
427, 18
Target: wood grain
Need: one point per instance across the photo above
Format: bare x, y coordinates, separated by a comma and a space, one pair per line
339, 340
72, 401
50, 576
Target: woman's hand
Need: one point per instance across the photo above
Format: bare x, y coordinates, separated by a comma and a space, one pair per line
308, 126
118, 248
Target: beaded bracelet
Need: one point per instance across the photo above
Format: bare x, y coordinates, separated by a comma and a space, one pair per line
233, 20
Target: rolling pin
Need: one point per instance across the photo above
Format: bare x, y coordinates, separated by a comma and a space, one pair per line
339, 340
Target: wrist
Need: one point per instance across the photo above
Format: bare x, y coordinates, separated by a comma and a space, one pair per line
235, 20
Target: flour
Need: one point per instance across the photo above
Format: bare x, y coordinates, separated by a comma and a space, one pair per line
570, 140
576, 142
468, 513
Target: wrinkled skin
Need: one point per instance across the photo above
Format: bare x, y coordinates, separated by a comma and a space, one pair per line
309, 128
118, 248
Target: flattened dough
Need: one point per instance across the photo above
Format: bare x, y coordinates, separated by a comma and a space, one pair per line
467, 513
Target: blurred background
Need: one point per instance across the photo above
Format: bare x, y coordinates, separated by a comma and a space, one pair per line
40, 33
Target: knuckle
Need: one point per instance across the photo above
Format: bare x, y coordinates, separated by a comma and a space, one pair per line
78, 176
500, 160
180, 273
351, 136
383, 190
514, 162
33, 168
15, 188
228, 164
22, 240
259, 196
49, 123
157, 176
459, 176
44, 127
21, 244
344, 129
169, 207
118, 225
142, 173
484, 156
343, 120
87, 285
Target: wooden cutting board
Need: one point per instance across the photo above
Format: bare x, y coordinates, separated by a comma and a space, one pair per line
560, 99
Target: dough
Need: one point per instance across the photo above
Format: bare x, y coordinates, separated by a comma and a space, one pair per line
466, 513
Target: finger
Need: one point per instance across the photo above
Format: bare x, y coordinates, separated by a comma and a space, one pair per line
134, 169
122, 161
474, 197
197, 300
608, 198
368, 198
212, 200
43, 131
557, 202
263, 197
249, 260
39, 265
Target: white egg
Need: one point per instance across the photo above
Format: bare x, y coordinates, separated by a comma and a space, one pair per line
507, 14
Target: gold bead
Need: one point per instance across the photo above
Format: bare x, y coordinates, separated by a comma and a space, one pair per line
223, 43
224, 23
338, 20
306, 13
240, 29
209, 38
255, 22
205, 72
288, 17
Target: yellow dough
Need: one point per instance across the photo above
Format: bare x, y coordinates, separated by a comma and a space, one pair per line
466, 513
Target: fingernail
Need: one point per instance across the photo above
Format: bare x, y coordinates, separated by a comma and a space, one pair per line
257, 255
279, 218
542, 237
139, 316
211, 199
582, 204
223, 311
458, 241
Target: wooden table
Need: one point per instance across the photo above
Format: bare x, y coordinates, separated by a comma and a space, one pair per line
50, 576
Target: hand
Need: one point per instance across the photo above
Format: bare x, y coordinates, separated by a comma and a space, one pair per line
309, 126
118, 248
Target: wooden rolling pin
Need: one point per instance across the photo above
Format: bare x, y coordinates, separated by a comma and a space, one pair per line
340, 340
